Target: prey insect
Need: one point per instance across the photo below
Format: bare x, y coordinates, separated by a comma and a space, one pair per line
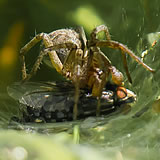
54, 101
80, 60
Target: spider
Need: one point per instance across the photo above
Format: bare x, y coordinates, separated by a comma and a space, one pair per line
80, 60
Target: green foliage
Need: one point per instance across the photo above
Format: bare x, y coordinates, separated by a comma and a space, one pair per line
134, 23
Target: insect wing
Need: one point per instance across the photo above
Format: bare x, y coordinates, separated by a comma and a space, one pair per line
17, 89
47, 100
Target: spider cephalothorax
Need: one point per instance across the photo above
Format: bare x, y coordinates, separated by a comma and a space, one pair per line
80, 60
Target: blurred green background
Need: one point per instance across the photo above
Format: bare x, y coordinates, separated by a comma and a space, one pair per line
133, 23
128, 21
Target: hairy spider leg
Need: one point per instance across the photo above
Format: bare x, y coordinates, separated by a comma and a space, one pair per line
71, 69
77, 72
124, 59
56, 62
117, 76
78, 68
97, 91
98, 81
99, 29
104, 28
76, 56
35, 66
104, 65
27, 47
50, 50
123, 48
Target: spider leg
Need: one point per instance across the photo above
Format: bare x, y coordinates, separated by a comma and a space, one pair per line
123, 48
76, 99
98, 88
100, 29
105, 29
54, 60
72, 66
126, 67
35, 66
28, 46
50, 49
98, 78
102, 68
77, 75
116, 45
105, 65
57, 64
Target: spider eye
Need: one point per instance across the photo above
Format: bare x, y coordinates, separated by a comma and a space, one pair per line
121, 92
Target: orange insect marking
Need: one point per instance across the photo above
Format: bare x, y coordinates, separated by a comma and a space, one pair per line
121, 92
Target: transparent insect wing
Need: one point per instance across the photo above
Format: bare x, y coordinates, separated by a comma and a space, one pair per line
43, 100
49, 101
18, 89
